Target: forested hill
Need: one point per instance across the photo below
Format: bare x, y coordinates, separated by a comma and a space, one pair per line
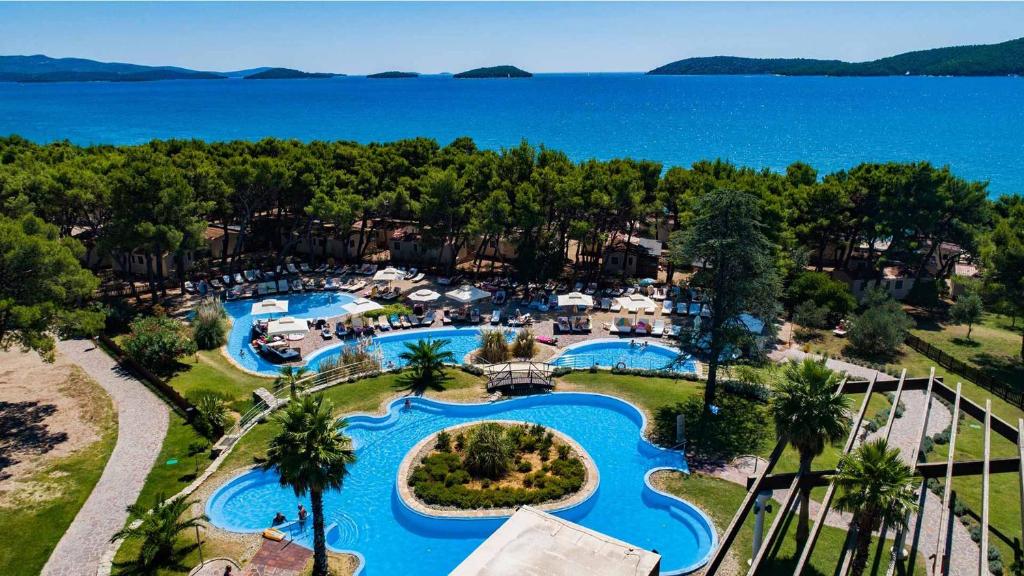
1003, 59
288, 74
495, 72
40, 68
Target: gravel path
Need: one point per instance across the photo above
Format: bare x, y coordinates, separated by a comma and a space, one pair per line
142, 420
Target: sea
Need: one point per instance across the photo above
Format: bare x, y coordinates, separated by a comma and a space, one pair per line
974, 125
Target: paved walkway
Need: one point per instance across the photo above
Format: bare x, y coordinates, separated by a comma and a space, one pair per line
142, 420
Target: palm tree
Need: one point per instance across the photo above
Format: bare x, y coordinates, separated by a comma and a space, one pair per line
290, 376
876, 486
809, 415
158, 534
311, 454
427, 358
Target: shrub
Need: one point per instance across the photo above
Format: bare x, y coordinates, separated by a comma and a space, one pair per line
881, 328
460, 441
211, 417
210, 324
388, 310
489, 452
524, 467
493, 347
563, 452
157, 342
832, 295
444, 442
810, 315
524, 345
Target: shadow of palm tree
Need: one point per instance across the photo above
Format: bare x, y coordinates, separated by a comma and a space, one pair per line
415, 385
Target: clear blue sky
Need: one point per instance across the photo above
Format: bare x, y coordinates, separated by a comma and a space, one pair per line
360, 38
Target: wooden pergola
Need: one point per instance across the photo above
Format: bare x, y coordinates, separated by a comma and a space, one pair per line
933, 388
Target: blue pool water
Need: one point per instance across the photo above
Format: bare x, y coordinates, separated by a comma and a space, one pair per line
976, 125
306, 305
460, 341
367, 516
609, 353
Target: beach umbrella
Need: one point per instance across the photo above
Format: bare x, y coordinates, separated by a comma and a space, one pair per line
270, 306
424, 295
389, 275
467, 294
360, 306
287, 327
575, 299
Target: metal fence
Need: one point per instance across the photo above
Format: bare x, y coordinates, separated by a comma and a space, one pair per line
1007, 392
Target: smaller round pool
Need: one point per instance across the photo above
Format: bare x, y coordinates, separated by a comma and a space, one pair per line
460, 342
637, 354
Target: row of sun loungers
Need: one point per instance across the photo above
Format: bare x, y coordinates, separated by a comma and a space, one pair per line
623, 325
568, 324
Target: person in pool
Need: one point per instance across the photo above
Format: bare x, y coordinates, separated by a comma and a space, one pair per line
408, 404
302, 514
279, 519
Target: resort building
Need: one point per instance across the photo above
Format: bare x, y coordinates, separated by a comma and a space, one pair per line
535, 543
633, 258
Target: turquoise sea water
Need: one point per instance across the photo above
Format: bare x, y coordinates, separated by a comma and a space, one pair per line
976, 125
368, 517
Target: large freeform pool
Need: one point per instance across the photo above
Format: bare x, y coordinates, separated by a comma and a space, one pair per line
609, 353
368, 518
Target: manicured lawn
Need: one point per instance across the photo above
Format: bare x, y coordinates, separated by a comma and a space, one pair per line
209, 372
994, 345
174, 469
647, 393
720, 499
57, 491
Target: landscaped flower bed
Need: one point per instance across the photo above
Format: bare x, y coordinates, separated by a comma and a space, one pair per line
497, 465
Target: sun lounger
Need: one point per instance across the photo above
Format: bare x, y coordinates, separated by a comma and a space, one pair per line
666, 307
340, 330
237, 278
305, 268
411, 274
428, 318
496, 317
563, 324
642, 327
621, 325
297, 285
605, 304
357, 286
680, 307
675, 330
547, 340
292, 269
444, 281
445, 318
404, 321
474, 316
616, 306
250, 275
190, 287
282, 285
659, 327
578, 287
650, 308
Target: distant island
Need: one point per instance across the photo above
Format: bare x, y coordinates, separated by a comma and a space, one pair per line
1003, 59
288, 74
394, 74
40, 68
495, 72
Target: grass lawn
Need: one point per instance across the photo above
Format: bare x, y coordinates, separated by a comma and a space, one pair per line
210, 372
994, 346
54, 494
720, 499
647, 393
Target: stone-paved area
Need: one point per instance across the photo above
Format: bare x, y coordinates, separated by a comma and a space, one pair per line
278, 559
142, 420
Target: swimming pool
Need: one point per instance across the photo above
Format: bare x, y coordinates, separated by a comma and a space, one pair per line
608, 353
307, 305
461, 341
368, 518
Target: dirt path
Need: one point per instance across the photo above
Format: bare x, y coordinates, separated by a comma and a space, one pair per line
142, 424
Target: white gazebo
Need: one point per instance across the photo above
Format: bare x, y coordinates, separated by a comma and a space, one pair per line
635, 303
389, 275
270, 306
361, 305
467, 294
575, 299
288, 327
424, 295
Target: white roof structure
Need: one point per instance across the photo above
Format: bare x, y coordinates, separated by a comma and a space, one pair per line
467, 294
287, 326
575, 299
389, 274
270, 306
635, 302
535, 543
424, 295
361, 305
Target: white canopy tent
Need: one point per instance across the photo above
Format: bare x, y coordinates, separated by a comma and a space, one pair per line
575, 299
287, 327
635, 303
424, 295
467, 294
389, 274
361, 305
270, 306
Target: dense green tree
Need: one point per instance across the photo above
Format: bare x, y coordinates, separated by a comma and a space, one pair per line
157, 342
881, 328
809, 414
42, 286
736, 269
1004, 256
311, 454
968, 309
825, 291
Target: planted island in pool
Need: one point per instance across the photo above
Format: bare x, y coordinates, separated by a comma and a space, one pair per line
368, 518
